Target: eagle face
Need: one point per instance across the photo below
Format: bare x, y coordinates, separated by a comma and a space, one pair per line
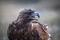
28, 14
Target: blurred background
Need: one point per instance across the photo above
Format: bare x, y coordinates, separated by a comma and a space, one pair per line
49, 11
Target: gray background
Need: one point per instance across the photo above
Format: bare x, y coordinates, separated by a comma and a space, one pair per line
49, 11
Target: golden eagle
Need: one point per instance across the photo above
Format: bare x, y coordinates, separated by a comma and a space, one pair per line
26, 27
